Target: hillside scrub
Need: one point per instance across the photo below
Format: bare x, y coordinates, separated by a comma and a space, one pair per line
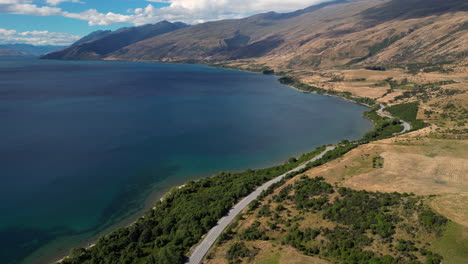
360, 219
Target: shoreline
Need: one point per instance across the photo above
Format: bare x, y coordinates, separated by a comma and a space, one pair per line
93, 242
130, 220
331, 95
90, 243
125, 222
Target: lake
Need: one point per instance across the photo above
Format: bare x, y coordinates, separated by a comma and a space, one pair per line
87, 146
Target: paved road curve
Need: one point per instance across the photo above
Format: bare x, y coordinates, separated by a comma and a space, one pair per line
201, 250
406, 125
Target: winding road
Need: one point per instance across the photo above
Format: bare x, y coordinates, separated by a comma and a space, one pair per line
202, 249
406, 125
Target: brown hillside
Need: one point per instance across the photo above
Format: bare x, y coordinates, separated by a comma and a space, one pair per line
335, 34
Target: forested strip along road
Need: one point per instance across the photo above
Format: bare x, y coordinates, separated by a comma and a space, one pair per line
202, 249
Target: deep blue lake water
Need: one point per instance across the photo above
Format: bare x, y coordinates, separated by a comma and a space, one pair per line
86, 146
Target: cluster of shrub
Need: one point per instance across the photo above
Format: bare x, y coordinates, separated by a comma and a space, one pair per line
424, 92
377, 162
415, 68
237, 251
360, 217
376, 68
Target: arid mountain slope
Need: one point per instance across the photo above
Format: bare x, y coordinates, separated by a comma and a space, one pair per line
333, 34
92, 36
99, 44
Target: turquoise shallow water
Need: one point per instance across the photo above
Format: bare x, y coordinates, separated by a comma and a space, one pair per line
85, 144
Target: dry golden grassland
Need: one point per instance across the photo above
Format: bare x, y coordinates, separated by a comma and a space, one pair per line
423, 166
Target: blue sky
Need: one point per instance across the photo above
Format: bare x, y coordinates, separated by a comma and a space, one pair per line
61, 22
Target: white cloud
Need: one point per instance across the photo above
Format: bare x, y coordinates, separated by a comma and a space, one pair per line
196, 11
58, 2
10, 2
95, 18
29, 9
25, 7
36, 37
189, 11
6, 32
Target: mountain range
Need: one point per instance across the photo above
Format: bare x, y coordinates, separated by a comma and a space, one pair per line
27, 50
337, 33
100, 44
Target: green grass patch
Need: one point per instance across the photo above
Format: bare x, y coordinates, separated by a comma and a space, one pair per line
407, 112
453, 244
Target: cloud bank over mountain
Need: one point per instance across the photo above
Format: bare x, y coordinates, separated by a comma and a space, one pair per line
10, 36
193, 11
188, 11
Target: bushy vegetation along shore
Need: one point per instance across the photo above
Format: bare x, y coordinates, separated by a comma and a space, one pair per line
313, 89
